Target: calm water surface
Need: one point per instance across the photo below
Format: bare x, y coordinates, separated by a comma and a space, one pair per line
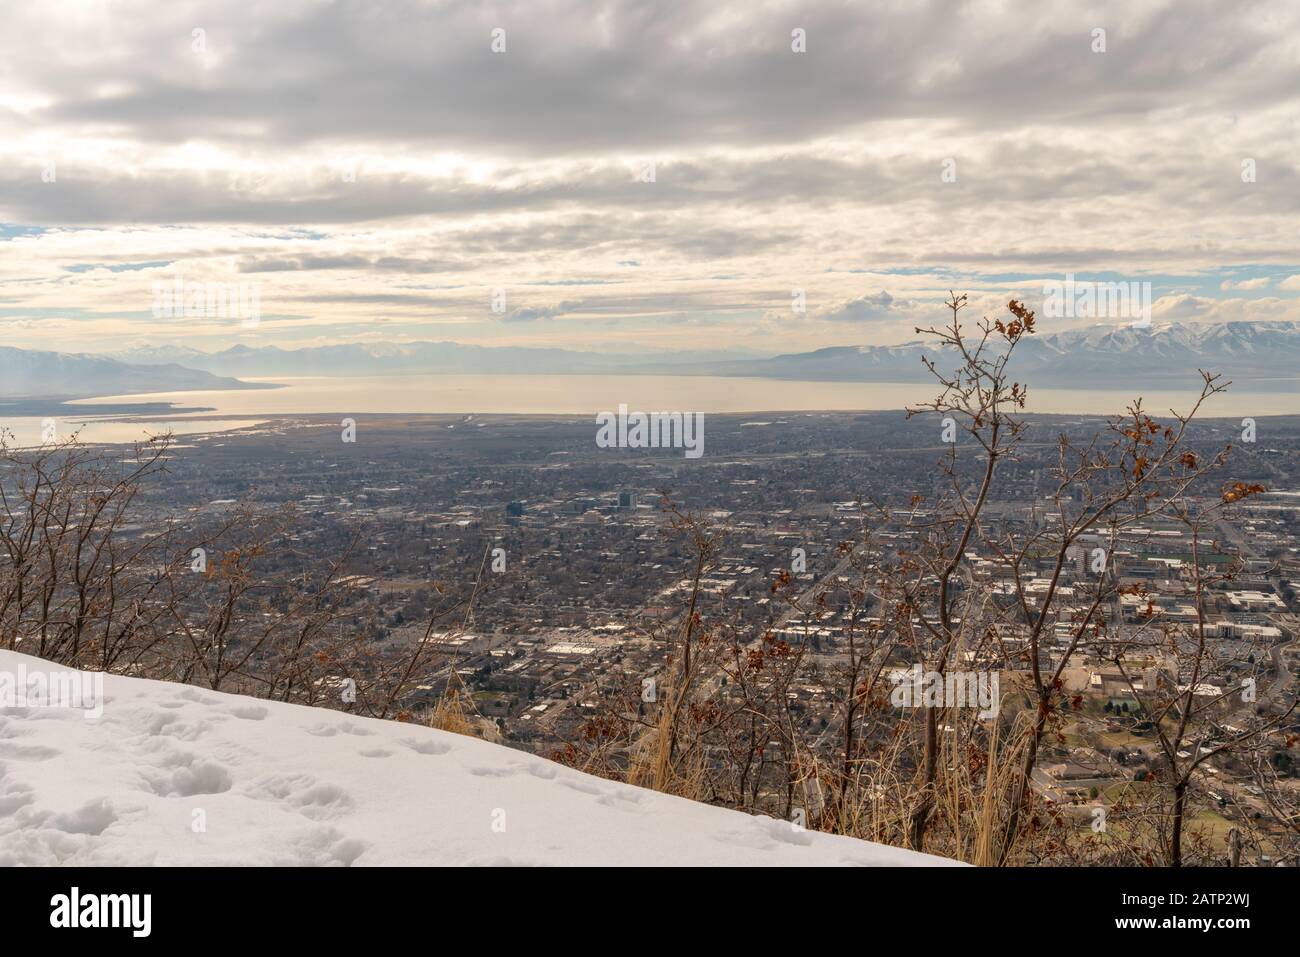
589, 394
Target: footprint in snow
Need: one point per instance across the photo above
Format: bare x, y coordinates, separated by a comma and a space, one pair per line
427, 746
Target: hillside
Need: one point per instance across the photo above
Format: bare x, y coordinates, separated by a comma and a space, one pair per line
280, 784
25, 372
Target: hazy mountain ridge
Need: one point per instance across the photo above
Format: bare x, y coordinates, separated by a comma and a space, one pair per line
1096, 355
403, 357
26, 372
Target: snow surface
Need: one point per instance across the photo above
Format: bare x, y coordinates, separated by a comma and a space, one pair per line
281, 784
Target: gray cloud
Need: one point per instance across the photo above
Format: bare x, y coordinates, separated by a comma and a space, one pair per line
866, 308
531, 313
637, 74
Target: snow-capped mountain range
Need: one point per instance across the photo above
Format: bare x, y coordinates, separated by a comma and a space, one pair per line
1099, 356
1104, 353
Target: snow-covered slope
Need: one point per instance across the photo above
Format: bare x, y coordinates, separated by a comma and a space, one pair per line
172, 774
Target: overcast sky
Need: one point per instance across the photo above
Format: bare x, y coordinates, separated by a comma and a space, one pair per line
378, 169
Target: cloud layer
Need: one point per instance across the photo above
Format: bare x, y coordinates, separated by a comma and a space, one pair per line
637, 173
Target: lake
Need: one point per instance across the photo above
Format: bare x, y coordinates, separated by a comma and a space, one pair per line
588, 394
